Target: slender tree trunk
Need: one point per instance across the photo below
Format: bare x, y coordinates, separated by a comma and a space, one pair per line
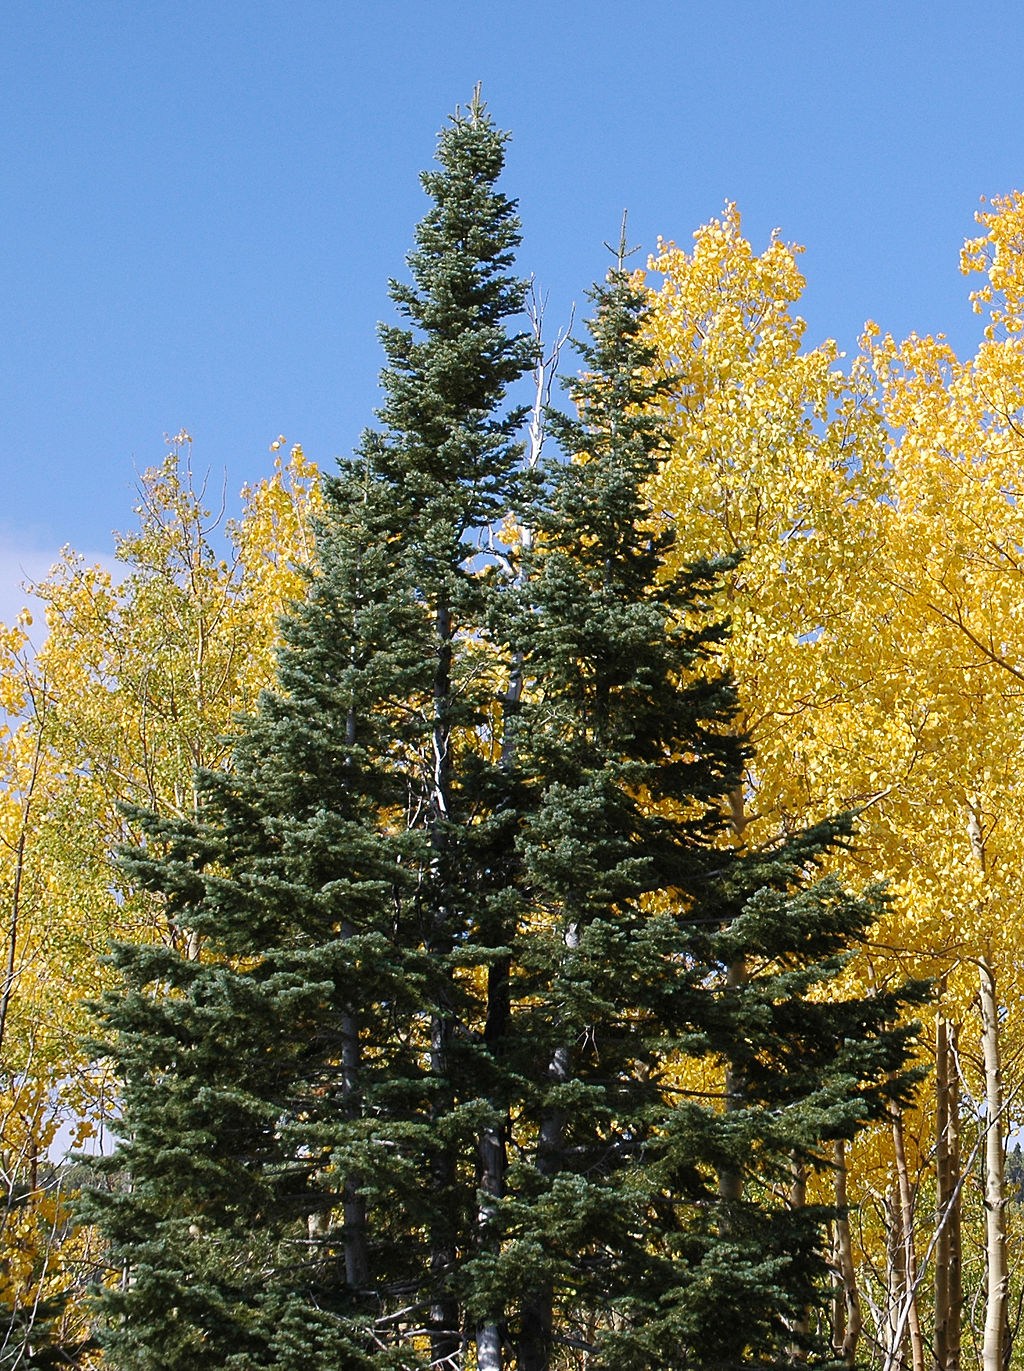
943, 1187
906, 1211
948, 1294
847, 1322
998, 1280
13, 931
10, 971
953, 1224
895, 1282
996, 1261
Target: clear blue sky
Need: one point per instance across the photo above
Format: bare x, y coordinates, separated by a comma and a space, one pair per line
203, 201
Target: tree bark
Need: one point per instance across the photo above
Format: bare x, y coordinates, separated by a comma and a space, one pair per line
848, 1320
953, 1224
488, 1348
947, 1284
998, 1276
996, 1262
943, 1190
10, 973
906, 1213
895, 1283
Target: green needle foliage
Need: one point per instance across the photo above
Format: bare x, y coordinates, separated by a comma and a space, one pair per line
293, 1112
467, 913
640, 1219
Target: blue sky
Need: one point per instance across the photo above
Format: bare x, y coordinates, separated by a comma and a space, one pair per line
203, 201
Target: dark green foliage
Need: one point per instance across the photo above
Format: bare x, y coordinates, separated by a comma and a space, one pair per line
467, 908
246, 1092
300, 1075
617, 1216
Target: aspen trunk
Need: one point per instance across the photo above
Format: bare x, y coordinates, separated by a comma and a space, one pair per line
942, 1190
488, 1348
906, 1213
895, 1283
10, 973
956, 1296
996, 1263
947, 1286
847, 1321
998, 1277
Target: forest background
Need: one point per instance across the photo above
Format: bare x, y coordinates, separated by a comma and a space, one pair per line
878, 654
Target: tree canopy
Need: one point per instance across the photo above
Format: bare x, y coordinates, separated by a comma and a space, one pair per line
524, 869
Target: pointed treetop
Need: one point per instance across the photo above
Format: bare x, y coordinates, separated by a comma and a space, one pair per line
621, 252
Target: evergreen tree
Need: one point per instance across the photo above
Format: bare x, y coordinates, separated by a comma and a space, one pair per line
426, 1083
254, 1077
615, 1233
294, 1106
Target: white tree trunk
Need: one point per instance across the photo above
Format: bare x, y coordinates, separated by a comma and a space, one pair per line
906, 1212
847, 1320
947, 1288
998, 1278
996, 1261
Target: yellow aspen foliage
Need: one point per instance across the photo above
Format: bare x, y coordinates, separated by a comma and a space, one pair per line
777, 460
954, 542
998, 254
875, 617
273, 541
954, 553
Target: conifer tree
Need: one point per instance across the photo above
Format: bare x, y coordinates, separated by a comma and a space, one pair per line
614, 1234
425, 1085
247, 1090
297, 1116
